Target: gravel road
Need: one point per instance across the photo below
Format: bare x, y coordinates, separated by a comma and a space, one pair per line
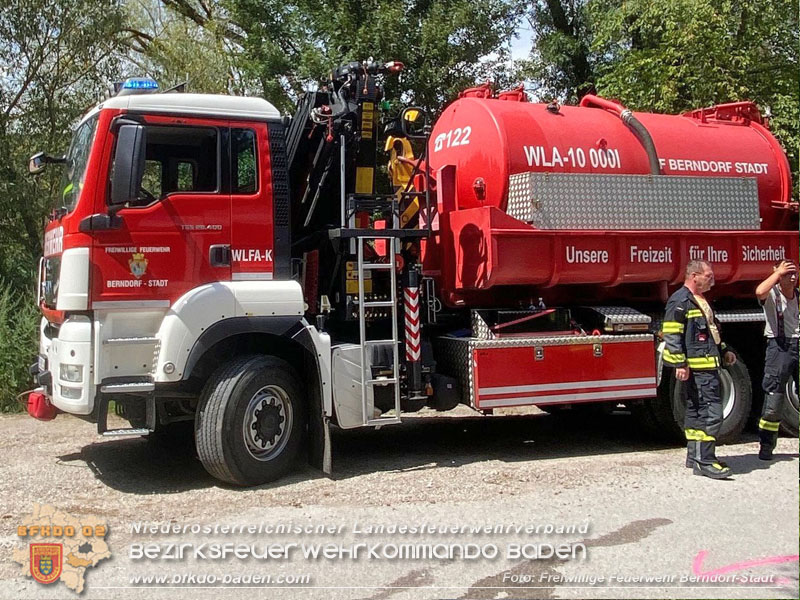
628, 508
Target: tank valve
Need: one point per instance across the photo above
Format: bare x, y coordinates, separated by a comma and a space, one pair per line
479, 186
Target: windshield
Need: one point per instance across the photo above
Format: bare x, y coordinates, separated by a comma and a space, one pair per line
75, 168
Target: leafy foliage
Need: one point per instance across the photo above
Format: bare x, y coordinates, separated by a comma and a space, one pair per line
680, 54
19, 318
561, 64
51, 75
289, 45
172, 43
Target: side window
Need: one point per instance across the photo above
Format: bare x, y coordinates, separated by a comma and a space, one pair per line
181, 159
244, 165
153, 174
187, 176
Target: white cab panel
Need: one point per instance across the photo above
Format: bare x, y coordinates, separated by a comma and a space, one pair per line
73, 283
125, 342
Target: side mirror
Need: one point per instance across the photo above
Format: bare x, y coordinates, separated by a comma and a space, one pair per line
39, 161
414, 122
126, 179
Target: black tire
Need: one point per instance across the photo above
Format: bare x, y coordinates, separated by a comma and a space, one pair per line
251, 420
663, 415
791, 414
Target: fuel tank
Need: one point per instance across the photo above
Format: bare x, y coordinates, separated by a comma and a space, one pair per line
488, 139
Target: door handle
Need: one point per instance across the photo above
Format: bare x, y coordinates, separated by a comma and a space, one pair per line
219, 255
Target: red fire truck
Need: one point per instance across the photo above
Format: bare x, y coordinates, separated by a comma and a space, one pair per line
267, 278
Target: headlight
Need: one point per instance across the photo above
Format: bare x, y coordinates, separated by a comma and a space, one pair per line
70, 393
71, 373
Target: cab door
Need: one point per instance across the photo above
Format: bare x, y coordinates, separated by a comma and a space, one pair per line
177, 235
252, 216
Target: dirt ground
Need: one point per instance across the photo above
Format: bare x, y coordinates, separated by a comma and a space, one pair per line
642, 512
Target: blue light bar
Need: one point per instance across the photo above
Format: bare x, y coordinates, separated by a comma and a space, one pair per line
140, 83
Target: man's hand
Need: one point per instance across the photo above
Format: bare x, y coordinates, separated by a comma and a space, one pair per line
682, 373
786, 267
729, 358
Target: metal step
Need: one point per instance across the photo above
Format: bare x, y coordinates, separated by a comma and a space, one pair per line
377, 266
378, 304
128, 388
387, 381
120, 432
130, 340
380, 421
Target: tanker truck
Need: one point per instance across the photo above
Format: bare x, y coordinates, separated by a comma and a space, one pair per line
271, 278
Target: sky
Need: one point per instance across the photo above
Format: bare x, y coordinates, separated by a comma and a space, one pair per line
521, 43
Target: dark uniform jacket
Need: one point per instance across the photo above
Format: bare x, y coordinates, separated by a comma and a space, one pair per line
689, 342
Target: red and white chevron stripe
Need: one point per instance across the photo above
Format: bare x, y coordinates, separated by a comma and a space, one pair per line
411, 302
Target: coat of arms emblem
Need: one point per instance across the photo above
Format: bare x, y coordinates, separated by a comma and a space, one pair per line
138, 265
46, 562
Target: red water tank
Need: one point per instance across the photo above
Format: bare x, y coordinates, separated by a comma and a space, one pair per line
488, 139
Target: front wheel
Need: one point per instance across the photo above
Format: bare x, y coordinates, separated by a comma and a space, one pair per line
250, 420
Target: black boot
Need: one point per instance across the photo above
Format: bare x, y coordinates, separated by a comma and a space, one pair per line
707, 463
768, 439
692, 452
714, 471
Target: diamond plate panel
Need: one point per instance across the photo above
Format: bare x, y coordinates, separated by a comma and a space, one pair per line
614, 315
560, 340
480, 329
591, 201
454, 358
741, 316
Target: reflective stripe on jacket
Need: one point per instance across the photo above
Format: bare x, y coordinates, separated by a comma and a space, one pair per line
689, 342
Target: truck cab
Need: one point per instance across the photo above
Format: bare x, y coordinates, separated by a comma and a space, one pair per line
201, 226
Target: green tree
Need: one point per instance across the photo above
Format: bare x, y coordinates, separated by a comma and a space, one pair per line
174, 44
561, 64
680, 54
58, 57
444, 44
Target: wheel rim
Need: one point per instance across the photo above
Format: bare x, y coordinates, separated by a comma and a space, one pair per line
727, 393
791, 393
267, 422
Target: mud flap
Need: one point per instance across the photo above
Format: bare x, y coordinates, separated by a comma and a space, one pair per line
319, 442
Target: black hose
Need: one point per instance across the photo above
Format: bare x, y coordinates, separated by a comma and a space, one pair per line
640, 131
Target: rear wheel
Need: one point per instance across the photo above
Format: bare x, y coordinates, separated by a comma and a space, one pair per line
663, 416
791, 413
250, 420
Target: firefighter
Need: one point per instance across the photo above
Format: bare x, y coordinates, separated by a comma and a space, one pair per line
693, 349
777, 295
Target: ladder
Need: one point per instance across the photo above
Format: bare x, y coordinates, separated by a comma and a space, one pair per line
368, 381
